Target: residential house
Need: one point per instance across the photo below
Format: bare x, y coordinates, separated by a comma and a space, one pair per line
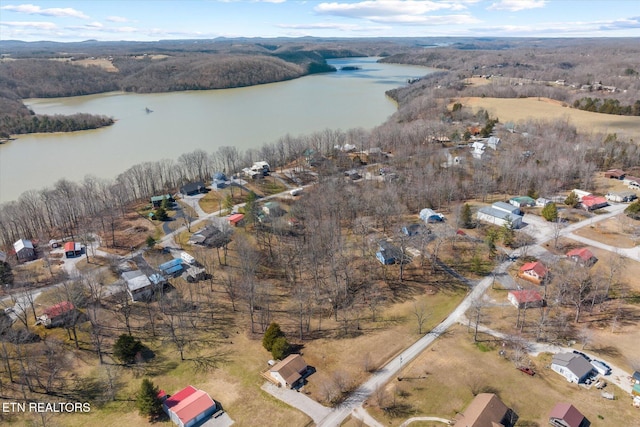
273, 209
486, 410
290, 372
525, 298
493, 142
189, 407
413, 229
72, 249
139, 287
582, 256
477, 149
24, 250
209, 236
499, 217
507, 207
156, 201
535, 272
541, 202
193, 188
521, 201
171, 268
592, 202
429, 216
58, 314
621, 196
236, 219
573, 367
390, 254
261, 167
566, 415
614, 174
631, 182
219, 180
195, 274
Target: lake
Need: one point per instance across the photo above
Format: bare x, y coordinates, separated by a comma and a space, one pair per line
184, 121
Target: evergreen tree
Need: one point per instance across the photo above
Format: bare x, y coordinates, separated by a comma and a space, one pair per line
280, 348
466, 219
6, 275
572, 200
147, 400
550, 212
161, 214
507, 232
272, 333
633, 210
151, 242
251, 208
126, 348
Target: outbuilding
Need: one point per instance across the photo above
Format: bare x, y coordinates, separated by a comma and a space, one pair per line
73, 249
499, 217
24, 250
430, 216
189, 407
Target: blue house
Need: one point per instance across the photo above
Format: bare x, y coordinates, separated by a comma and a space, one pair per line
171, 268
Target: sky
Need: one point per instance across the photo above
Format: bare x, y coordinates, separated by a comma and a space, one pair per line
150, 20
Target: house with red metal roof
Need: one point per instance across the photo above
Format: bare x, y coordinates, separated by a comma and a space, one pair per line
535, 272
235, 219
582, 256
57, 315
592, 202
189, 407
566, 415
525, 298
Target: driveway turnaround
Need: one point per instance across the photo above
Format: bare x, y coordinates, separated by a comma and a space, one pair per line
298, 400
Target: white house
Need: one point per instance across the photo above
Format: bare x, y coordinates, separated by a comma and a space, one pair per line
493, 142
139, 287
573, 367
499, 215
290, 371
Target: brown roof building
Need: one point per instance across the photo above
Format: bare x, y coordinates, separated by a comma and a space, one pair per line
566, 415
486, 410
290, 371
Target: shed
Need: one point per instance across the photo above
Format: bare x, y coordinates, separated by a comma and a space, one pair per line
566, 415
525, 298
542, 202
507, 207
273, 209
189, 407
72, 249
24, 250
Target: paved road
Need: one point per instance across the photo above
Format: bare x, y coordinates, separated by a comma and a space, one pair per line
391, 369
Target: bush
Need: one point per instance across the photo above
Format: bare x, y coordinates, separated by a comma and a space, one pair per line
126, 348
633, 210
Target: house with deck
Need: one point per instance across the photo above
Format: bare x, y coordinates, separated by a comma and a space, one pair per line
290, 372
582, 256
525, 298
534, 272
58, 314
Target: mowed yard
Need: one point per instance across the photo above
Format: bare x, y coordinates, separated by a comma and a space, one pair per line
522, 109
442, 381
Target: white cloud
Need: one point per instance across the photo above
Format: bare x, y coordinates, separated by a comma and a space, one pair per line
31, 9
366, 9
39, 25
117, 19
517, 5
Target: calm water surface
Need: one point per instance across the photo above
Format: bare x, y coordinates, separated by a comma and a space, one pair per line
184, 121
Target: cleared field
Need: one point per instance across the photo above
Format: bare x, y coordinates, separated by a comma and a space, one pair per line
443, 380
521, 109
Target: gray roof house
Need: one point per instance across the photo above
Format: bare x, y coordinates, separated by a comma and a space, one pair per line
139, 287
24, 250
499, 216
573, 367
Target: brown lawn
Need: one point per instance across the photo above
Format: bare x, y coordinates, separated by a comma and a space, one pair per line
442, 381
521, 109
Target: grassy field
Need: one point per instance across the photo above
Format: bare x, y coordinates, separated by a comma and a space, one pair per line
521, 109
443, 380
